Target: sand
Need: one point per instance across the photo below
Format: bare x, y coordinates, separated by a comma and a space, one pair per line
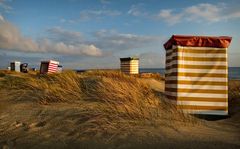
27, 124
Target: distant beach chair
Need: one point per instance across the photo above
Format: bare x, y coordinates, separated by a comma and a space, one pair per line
129, 65
50, 66
15, 66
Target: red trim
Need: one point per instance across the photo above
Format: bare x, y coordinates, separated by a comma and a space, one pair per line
198, 41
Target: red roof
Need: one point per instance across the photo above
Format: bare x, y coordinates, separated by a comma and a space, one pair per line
198, 41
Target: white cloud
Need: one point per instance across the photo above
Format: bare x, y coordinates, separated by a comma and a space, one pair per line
59, 34
170, 18
137, 10
105, 1
96, 14
152, 60
207, 12
232, 15
68, 49
204, 12
65, 42
12, 39
1, 18
113, 40
91, 14
5, 6
70, 21
59, 31
62, 20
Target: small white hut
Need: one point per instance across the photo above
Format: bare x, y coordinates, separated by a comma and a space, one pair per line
49, 67
15, 66
130, 65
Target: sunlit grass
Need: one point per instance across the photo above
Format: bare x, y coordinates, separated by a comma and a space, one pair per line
110, 102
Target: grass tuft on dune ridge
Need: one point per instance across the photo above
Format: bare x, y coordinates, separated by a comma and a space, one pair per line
110, 102
98, 106
123, 95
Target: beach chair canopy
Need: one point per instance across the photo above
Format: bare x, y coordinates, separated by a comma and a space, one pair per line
198, 41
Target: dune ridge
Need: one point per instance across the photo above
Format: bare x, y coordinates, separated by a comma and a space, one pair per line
99, 109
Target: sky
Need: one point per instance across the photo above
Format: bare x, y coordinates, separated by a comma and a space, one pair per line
85, 34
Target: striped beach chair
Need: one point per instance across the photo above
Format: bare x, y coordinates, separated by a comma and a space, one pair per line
49, 67
196, 73
130, 65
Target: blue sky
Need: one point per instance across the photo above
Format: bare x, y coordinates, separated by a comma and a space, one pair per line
96, 33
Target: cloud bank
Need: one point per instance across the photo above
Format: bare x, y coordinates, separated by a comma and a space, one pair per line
204, 12
12, 39
113, 40
137, 10
4, 6
86, 15
72, 43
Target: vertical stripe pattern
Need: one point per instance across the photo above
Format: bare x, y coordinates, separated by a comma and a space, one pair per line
197, 78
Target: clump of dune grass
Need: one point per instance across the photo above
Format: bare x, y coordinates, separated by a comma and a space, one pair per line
110, 101
57, 87
124, 94
13, 82
2, 74
234, 90
127, 98
121, 75
233, 95
156, 76
115, 74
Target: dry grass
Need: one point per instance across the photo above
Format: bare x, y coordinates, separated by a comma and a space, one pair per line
110, 101
156, 76
233, 96
234, 90
56, 88
92, 106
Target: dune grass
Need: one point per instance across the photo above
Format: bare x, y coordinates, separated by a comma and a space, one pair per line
110, 101
94, 106
233, 96
234, 90
91, 108
123, 95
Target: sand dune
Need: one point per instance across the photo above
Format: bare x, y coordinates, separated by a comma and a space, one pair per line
28, 124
